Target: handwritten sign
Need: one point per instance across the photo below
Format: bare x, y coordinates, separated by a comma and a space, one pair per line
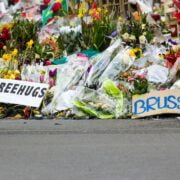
22, 92
156, 102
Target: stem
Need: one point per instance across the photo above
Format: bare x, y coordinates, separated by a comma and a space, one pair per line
25, 56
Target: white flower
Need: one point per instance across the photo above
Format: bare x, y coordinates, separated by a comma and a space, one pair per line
142, 39
125, 36
144, 33
155, 40
88, 19
126, 59
132, 38
143, 26
79, 29
163, 19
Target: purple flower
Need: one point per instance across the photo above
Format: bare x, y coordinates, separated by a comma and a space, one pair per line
172, 42
53, 73
114, 34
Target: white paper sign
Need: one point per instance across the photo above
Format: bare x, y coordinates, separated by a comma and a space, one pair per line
22, 92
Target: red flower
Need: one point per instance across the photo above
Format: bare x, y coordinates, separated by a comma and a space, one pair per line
47, 1
8, 36
94, 5
23, 14
170, 60
177, 55
27, 112
1, 45
156, 17
47, 63
5, 31
3, 36
50, 19
43, 7
56, 7
177, 15
17, 78
177, 3
16, 1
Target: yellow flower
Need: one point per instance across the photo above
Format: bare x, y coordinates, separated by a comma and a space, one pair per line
133, 52
138, 50
9, 25
6, 77
16, 72
4, 56
120, 18
30, 43
168, 52
161, 56
82, 9
18, 116
7, 57
80, 15
91, 11
12, 76
9, 72
106, 10
14, 52
99, 10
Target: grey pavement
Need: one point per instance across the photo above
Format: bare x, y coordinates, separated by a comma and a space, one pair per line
90, 150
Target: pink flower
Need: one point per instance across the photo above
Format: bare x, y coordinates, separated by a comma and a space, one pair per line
42, 78
51, 82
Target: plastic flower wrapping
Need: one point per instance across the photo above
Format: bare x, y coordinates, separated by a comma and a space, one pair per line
93, 60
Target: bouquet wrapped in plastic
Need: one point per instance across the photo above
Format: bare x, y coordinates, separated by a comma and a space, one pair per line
102, 61
106, 103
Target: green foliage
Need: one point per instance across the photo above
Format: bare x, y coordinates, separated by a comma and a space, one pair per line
95, 35
140, 86
43, 52
22, 32
138, 28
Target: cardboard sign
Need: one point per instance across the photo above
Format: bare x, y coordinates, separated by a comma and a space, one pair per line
22, 92
156, 102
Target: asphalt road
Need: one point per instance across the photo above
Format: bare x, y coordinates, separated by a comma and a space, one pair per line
90, 150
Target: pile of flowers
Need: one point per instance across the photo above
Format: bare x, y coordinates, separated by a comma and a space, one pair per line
137, 30
93, 60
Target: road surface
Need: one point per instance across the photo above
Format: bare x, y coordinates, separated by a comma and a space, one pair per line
90, 150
